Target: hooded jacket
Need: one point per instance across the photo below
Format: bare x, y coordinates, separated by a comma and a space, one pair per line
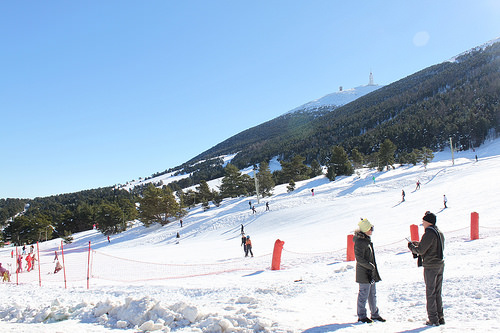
430, 247
366, 266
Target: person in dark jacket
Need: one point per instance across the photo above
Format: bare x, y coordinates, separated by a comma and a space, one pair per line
244, 242
430, 248
366, 272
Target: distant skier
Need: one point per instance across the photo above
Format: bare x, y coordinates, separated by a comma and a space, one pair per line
250, 204
445, 200
267, 206
402, 195
418, 185
373, 178
253, 210
312, 191
181, 223
109, 241
242, 229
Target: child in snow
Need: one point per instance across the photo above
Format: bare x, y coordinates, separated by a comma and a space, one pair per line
58, 267
4, 273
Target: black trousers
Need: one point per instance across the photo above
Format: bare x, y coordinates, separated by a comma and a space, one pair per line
433, 278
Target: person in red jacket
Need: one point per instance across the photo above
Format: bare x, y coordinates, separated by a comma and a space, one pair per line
28, 261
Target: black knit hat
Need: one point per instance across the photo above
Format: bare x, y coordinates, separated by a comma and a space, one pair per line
429, 217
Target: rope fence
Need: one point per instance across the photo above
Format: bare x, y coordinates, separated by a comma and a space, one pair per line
80, 266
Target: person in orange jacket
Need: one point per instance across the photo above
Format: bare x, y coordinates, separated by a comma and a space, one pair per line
249, 247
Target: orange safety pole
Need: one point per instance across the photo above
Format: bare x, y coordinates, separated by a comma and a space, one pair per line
64, 266
88, 269
474, 226
350, 248
414, 233
38, 255
278, 247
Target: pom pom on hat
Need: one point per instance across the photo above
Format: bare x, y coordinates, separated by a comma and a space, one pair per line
364, 225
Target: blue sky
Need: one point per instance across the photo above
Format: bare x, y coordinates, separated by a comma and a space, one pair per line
97, 93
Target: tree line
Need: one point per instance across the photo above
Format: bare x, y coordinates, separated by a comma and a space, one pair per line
110, 209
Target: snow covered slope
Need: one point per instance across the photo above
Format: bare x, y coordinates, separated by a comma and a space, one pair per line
337, 99
146, 279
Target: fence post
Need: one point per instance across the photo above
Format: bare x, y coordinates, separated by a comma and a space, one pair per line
414, 233
350, 249
64, 266
39, 273
474, 226
17, 267
278, 247
88, 269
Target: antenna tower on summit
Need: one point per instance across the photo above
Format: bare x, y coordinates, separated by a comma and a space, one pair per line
371, 80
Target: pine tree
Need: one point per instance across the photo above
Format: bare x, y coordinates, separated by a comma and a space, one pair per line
291, 186
427, 156
295, 169
157, 205
316, 169
265, 179
357, 158
340, 163
386, 154
234, 184
109, 218
204, 193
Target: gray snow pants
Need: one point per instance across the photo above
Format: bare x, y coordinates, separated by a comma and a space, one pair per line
368, 292
433, 278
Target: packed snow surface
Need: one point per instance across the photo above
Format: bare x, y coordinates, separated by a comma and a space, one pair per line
148, 280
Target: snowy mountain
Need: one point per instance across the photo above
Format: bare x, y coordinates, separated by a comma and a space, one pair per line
337, 99
148, 280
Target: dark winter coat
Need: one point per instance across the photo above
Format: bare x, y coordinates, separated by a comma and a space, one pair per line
430, 247
366, 266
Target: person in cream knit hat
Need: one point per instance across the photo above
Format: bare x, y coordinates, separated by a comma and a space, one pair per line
366, 272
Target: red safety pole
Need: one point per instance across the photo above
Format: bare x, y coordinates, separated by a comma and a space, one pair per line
278, 247
350, 248
17, 267
38, 255
414, 233
64, 266
474, 226
88, 269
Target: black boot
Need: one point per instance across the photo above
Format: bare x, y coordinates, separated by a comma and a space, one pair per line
365, 320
